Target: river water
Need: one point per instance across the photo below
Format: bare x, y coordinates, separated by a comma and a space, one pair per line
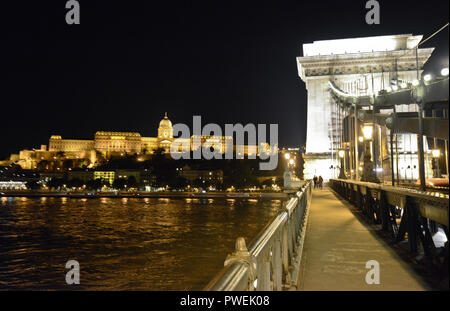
123, 244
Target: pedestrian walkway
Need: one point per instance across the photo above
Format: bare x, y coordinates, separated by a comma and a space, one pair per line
337, 247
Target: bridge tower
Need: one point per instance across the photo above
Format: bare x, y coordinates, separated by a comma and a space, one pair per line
360, 66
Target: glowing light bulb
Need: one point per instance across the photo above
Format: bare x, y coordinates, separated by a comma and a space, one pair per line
436, 153
368, 131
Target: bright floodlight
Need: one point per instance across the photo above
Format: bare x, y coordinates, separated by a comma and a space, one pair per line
388, 89
436, 153
291, 161
415, 82
427, 78
341, 154
395, 87
404, 85
361, 139
287, 156
367, 131
444, 72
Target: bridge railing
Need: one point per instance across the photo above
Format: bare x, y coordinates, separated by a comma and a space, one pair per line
272, 260
404, 214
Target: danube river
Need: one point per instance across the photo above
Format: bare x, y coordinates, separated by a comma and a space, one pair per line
123, 244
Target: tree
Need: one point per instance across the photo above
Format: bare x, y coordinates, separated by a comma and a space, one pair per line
56, 183
199, 183
84, 163
60, 154
33, 185
268, 183
43, 165
131, 182
99, 158
68, 163
119, 183
163, 168
75, 183
240, 174
179, 183
95, 184
279, 182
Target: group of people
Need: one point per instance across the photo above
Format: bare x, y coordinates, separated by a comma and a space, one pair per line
318, 182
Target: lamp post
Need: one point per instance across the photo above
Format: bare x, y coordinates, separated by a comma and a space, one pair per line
444, 72
287, 156
417, 94
368, 173
291, 162
342, 169
356, 143
436, 154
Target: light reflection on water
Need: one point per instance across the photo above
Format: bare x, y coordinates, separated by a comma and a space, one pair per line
123, 244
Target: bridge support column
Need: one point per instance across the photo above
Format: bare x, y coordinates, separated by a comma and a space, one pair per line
318, 164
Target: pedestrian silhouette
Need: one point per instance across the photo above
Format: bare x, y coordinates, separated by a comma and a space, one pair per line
320, 182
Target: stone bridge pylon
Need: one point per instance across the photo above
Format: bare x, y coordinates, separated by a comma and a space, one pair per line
359, 66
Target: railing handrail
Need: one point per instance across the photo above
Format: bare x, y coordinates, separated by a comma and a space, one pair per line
230, 278
431, 205
241, 268
435, 196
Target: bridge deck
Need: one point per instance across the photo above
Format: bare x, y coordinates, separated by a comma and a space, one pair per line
337, 247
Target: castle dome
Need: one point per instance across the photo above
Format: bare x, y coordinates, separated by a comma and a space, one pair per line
165, 123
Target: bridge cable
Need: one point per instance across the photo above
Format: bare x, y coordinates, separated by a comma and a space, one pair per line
423, 41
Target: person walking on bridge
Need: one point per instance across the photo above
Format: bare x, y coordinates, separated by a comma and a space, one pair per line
315, 182
320, 182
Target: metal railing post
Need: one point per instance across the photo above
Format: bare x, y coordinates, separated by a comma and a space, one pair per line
271, 262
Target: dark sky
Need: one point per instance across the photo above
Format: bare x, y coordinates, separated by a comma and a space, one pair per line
130, 61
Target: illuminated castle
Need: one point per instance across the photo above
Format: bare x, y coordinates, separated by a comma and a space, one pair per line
107, 144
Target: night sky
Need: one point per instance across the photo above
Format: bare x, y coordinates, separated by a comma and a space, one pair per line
130, 61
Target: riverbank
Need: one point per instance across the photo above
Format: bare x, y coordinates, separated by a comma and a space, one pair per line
141, 194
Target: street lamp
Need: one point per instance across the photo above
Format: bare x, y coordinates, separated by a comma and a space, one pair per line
415, 83
368, 131
368, 173
436, 154
287, 156
444, 72
427, 77
342, 169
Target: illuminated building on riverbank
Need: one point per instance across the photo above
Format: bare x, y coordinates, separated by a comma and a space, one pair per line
109, 143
